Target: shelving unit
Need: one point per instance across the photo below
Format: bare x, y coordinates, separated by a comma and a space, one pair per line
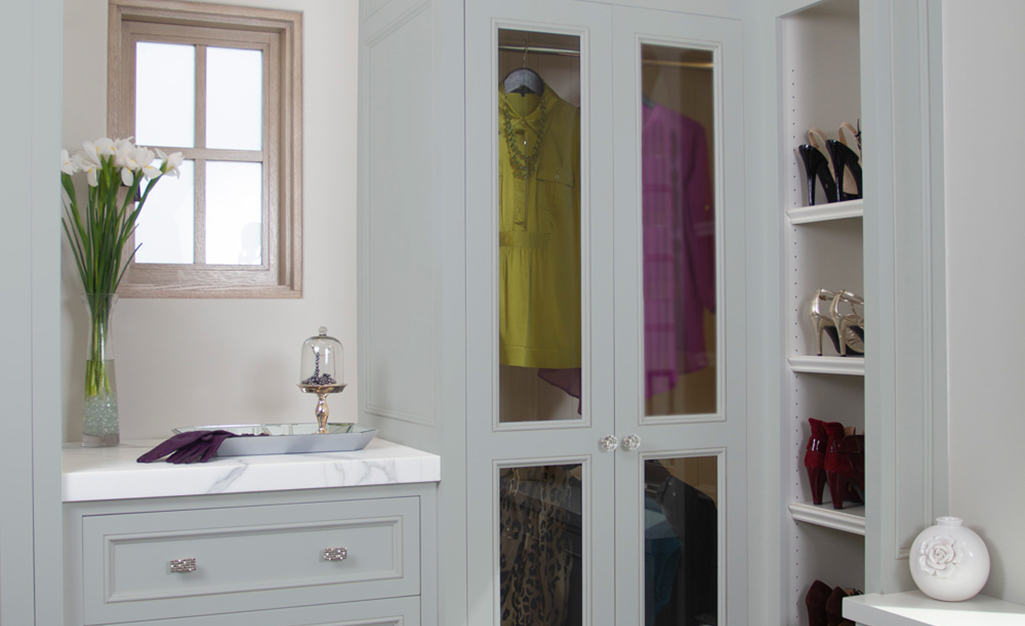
850, 519
823, 248
826, 212
848, 366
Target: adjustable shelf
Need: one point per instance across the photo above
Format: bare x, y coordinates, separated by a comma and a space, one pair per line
850, 519
826, 212
847, 366
914, 608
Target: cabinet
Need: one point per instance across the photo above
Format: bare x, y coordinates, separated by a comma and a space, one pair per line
437, 248
823, 245
877, 61
273, 548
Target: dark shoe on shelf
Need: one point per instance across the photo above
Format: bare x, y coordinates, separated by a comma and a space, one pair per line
816, 166
816, 600
834, 606
815, 454
846, 170
845, 467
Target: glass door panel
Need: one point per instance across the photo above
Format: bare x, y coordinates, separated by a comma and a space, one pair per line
539, 238
678, 227
681, 548
680, 320
541, 548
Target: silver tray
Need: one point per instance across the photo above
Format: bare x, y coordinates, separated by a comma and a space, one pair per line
288, 438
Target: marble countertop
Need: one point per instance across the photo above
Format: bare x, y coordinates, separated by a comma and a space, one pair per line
914, 608
114, 474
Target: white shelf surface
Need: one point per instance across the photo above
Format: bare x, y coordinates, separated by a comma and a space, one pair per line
826, 212
914, 608
850, 519
843, 365
113, 473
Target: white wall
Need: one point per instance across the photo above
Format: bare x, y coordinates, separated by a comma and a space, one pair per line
191, 362
984, 103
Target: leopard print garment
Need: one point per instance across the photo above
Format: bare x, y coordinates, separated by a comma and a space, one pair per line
536, 562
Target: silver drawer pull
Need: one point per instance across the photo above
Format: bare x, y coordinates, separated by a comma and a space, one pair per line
336, 554
183, 566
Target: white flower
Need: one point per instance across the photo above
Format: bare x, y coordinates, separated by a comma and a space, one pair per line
171, 162
67, 165
88, 161
940, 555
103, 147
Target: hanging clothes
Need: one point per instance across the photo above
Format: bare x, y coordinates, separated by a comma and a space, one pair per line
539, 231
539, 510
678, 244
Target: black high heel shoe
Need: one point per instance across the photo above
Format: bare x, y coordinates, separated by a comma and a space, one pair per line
846, 169
816, 166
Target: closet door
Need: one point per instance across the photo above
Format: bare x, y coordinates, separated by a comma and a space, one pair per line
539, 312
680, 330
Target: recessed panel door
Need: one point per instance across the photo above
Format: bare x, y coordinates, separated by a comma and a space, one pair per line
679, 315
540, 441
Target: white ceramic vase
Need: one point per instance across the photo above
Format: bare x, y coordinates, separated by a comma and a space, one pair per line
948, 561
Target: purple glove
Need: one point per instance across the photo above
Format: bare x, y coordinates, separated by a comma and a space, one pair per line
196, 445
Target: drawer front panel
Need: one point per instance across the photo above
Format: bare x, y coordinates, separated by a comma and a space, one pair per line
391, 612
249, 558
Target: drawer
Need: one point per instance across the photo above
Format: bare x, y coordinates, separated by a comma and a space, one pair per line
248, 558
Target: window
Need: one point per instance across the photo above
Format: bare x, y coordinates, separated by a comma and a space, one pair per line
221, 85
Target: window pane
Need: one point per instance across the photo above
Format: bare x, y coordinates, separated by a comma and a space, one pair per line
165, 94
167, 220
234, 213
234, 99
541, 545
680, 364
540, 324
681, 547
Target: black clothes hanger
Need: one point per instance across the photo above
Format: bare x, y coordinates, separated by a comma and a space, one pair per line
524, 80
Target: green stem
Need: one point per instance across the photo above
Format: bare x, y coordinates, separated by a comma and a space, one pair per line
97, 379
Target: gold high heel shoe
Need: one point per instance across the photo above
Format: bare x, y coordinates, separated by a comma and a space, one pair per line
823, 322
849, 324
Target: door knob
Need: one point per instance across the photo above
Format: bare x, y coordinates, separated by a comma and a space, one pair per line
631, 442
608, 443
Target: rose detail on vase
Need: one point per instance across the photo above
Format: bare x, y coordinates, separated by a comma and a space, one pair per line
940, 556
949, 561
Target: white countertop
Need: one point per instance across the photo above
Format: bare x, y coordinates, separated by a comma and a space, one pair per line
914, 608
114, 474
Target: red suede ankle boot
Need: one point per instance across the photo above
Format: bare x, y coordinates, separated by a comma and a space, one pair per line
845, 467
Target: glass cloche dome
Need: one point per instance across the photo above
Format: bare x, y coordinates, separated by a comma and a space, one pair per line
322, 361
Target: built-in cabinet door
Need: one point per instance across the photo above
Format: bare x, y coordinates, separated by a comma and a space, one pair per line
679, 318
598, 423
539, 314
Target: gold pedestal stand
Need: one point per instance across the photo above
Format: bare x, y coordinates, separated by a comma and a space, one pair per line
322, 412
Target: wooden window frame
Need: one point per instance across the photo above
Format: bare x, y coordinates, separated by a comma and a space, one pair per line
279, 35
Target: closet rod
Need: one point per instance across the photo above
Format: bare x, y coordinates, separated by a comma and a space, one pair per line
694, 65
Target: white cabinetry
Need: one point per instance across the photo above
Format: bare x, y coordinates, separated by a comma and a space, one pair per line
432, 132
345, 555
823, 248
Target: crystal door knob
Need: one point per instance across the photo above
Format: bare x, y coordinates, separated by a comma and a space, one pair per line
631, 442
608, 443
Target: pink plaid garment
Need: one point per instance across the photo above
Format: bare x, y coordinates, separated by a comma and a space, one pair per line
679, 246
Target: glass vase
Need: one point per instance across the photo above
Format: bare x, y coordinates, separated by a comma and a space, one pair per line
100, 427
